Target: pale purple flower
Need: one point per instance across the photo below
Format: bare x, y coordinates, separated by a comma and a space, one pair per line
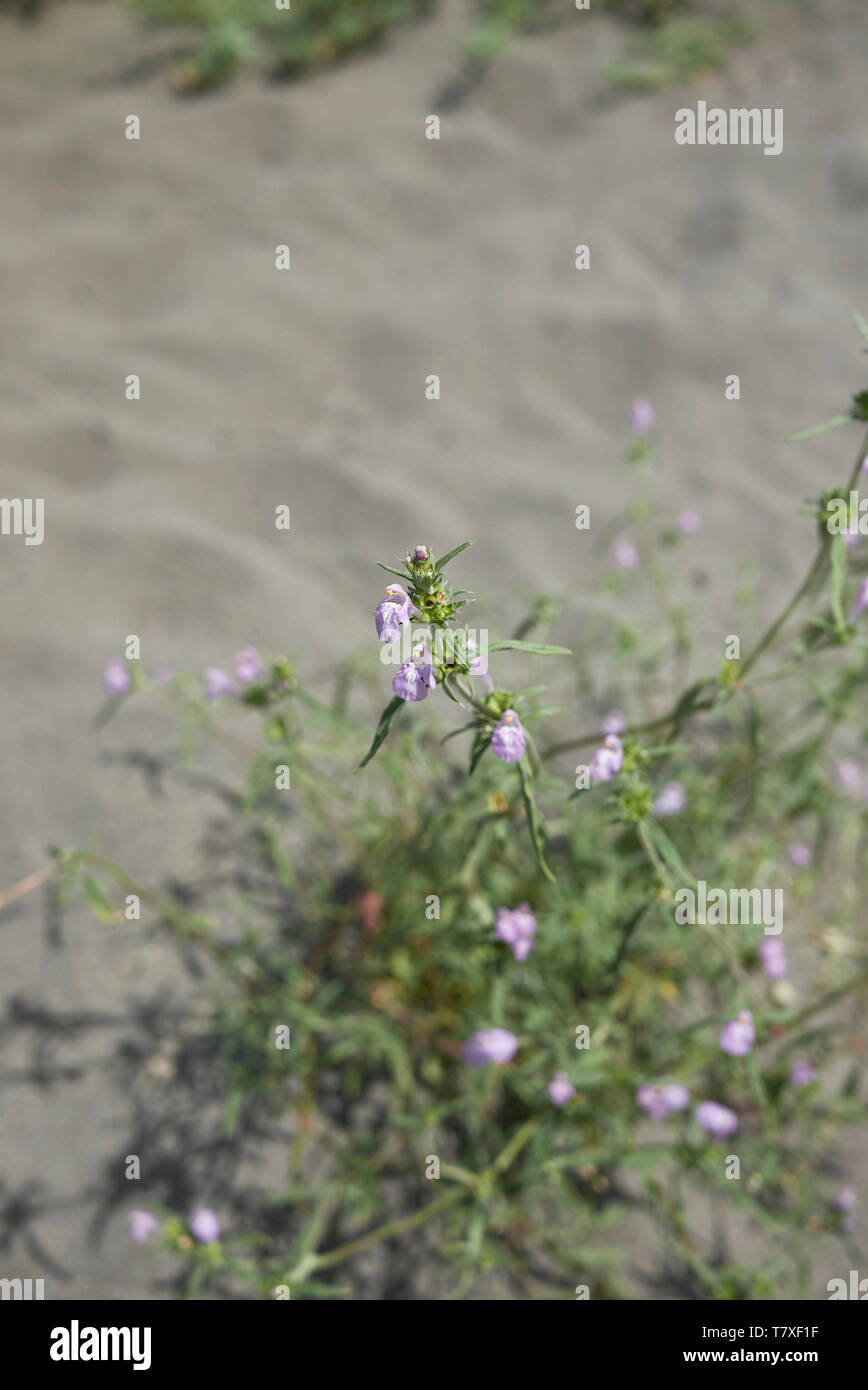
846, 1199
860, 602
716, 1120
248, 666
516, 927
560, 1089
477, 668
642, 416
800, 855
420, 554
671, 800
615, 722
625, 554
409, 684
606, 760
393, 612
116, 678
415, 678
204, 1225
688, 522
425, 662
217, 683
801, 1072
773, 958
508, 740
849, 776
143, 1224
660, 1100
490, 1045
737, 1036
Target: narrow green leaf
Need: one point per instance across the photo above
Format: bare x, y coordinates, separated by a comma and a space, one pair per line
97, 900
455, 732
667, 851
386, 718
450, 554
480, 744
509, 644
838, 562
819, 429
534, 820
402, 574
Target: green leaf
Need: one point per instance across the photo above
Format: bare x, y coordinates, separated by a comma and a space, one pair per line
450, 554
537, 648
386, 718
97, 900
534, 820
480, 744
667, 851
455, 732
402, 574
838, 562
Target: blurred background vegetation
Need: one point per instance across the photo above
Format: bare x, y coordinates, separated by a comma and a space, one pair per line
665, 40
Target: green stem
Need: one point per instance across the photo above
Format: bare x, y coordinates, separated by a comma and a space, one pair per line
818, 565
404, 1224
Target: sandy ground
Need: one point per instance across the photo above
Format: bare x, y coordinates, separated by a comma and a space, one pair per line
409, 257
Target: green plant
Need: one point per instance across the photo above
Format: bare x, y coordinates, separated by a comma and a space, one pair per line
378, 936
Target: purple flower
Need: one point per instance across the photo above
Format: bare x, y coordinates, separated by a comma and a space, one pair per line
848, 774
204, 1225
773, 958
248, 666
846, 1199
420, 554
217, 683
561, 1089
116, 679
688, 522
625, 554
606, 760
642, 416
408, 683
516, 927
801, 1073
737, 1036
671, 800
860, 602
615, 722
508, 741
393, 612
800, 855
661, 1100
477, 668
142, 1226
716, 1120
491, 1045
415, 678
